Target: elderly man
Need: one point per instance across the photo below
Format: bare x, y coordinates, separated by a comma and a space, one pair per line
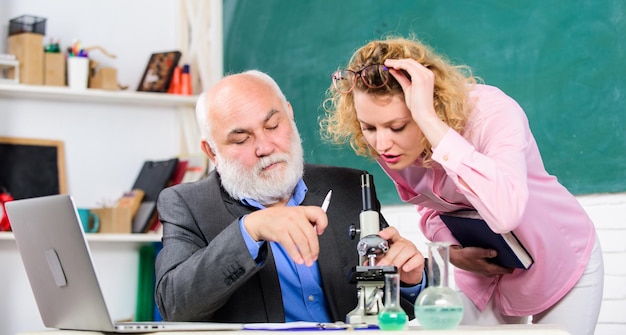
250, 243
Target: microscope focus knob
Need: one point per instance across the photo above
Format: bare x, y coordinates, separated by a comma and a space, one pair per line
372, 245
352, 231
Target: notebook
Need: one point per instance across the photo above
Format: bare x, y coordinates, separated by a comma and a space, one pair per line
472, 231
58, 264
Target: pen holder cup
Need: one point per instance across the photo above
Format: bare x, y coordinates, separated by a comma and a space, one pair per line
54, 69
114, 220
77, 72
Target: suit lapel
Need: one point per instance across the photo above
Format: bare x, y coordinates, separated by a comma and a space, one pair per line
338, 291
268, 282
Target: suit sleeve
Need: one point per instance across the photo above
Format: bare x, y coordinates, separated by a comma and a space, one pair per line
195, 277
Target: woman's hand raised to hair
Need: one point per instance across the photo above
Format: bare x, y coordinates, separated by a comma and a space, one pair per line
418, 96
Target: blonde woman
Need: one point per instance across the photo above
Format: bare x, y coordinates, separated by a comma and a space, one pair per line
450, 143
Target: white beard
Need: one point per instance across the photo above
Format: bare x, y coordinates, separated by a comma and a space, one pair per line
266, 187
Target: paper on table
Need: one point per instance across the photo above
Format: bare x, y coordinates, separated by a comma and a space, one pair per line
304, 325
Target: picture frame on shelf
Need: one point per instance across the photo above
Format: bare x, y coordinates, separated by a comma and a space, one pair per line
158, 73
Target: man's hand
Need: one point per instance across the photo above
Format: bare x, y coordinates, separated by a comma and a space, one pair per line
404, 255
476, 260
295, 228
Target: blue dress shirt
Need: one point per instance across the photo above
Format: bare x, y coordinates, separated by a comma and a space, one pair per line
302, 293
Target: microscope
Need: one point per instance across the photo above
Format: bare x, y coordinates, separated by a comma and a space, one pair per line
369, 278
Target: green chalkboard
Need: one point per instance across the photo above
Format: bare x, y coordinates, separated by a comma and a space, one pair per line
563, 61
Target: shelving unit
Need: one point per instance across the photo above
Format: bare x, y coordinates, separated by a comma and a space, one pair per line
112, 126
97, 96
105, 238
59, 93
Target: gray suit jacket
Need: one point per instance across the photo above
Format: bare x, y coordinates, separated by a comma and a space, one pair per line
205, 273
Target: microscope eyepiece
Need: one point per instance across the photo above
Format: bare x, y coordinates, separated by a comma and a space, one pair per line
367, 192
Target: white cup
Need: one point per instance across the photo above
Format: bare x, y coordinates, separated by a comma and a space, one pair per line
77, 72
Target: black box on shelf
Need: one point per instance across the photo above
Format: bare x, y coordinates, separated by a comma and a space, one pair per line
27, 24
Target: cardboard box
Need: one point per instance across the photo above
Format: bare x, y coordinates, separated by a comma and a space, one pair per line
114, 220
28, 49
54, 69
104, 78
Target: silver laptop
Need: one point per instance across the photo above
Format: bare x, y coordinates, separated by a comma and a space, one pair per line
58, 264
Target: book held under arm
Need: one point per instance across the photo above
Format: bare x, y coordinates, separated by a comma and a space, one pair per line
472, 231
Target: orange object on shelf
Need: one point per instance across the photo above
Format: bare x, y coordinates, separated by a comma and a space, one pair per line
175, 82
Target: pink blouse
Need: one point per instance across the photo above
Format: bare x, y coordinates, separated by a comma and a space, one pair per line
503, 178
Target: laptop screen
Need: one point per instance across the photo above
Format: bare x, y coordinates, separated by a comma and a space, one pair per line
58, 263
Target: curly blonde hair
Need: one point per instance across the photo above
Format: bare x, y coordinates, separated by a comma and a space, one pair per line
340, 124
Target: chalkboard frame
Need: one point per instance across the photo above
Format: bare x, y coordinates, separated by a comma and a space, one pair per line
44, 143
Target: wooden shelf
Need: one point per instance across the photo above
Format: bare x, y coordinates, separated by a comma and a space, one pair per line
122, 238
9, 91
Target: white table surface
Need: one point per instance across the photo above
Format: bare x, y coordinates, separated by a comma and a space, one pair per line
460, 330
